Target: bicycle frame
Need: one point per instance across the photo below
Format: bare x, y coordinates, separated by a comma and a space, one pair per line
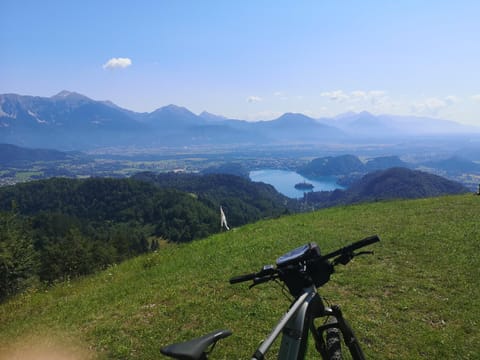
294, 325
298, 321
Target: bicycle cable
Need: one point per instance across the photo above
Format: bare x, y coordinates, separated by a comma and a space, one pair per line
285, 291
328, 303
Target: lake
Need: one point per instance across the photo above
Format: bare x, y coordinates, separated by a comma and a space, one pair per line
284, 181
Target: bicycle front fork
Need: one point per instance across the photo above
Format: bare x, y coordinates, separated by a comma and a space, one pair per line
348, 335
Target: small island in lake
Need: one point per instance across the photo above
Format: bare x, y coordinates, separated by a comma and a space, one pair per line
304, 186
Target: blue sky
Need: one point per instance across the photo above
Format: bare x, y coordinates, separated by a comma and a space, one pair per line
250, 59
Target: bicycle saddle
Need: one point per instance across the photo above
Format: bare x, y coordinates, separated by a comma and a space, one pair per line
194, 349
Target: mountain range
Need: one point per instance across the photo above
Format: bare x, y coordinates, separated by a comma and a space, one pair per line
70, 120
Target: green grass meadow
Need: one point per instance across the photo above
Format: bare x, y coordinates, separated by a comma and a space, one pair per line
417, 297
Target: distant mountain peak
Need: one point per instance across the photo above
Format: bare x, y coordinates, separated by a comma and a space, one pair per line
173, 106
65, 94
175, 109
365, 113
209, 116
165, 115
289, 116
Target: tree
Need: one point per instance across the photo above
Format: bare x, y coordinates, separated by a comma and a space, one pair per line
69, 256
18, 259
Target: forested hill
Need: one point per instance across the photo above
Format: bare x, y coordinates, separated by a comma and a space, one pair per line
146, 198
11, 154
332, 165
403, 183
61, 228
243, 200
393, 183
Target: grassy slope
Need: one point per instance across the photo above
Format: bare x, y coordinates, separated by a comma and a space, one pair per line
416, 298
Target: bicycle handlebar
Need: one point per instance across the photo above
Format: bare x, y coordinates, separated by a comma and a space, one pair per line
267, 271
242, 278
270, 272
354, 246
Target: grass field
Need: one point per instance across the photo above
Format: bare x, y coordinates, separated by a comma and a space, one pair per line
417, 298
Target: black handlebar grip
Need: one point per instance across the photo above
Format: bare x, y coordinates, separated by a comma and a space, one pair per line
364, 242
242, 278
352, 247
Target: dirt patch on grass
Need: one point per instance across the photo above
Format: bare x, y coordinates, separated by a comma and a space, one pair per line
45, 348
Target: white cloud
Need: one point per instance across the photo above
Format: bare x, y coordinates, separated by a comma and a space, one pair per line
280, 95
254, 99
434, 103
115, 63
373, 96
377, 93
359, 100
359, 94
476, 97
451, 99
336, 95
430, 106
377, 97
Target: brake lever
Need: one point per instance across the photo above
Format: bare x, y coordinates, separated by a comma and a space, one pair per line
253, 285
344, 259
261, 280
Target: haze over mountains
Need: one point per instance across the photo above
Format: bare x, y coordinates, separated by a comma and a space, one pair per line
70, 120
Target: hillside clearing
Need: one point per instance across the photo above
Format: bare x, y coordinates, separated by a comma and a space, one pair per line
416, 298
